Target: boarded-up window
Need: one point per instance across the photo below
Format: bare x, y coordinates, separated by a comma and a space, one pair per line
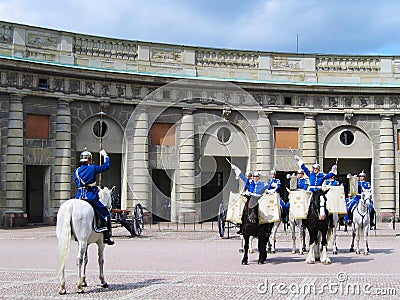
37, 126
286, 138
163, 134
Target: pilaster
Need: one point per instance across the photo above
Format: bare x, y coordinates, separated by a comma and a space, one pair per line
62, 164
310, 152
387, 196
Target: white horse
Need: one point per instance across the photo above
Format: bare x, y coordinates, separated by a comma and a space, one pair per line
332, 236
272, 239
302, 235
75, 221
361, 221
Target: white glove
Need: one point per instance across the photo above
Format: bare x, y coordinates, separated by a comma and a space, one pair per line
334, 169
103, 153
296, 157
287, 176
236, 170
274, 185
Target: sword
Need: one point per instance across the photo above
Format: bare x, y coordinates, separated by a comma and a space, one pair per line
228, 161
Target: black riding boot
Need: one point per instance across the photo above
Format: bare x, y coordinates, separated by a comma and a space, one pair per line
371, 220
108, 235
350, 217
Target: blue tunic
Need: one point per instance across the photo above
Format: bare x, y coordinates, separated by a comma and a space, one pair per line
316, 180
85, 176
352, 202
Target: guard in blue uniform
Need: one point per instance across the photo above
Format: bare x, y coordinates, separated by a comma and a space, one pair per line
85, 178
316, 177
332, 182
274, 185
302, 183
255, 186
352, 202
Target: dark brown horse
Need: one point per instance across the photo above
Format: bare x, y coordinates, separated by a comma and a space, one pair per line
317, 225
250, 227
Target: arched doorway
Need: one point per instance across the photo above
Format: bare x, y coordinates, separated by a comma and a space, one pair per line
353, 149
111, 135
220, 143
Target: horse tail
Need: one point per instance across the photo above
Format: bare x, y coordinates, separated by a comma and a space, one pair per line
64, 232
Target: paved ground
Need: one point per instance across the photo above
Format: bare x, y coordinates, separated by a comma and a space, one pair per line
166, 263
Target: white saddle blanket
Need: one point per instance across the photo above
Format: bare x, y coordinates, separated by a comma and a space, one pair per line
269, 208
299, 204
336, 200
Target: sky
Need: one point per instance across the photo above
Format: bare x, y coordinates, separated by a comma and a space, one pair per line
355, 27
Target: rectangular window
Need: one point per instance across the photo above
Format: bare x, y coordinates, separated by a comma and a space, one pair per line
286, 138
398, 139
163, 134
37, 126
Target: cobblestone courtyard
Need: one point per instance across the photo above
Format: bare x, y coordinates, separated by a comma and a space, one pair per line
169, 262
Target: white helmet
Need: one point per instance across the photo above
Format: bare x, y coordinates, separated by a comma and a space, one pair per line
316, 166
362, 174
257, 174
248, 173
300, 171
85, 156
272, 172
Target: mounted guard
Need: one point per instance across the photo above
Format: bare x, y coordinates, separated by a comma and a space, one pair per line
317, 221
352, 201
85, 178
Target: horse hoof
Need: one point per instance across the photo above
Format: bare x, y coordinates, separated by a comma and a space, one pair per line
84, 284
241, 250
251, 251
351, 249
366, 253
104, 285
261, 262
334, 252
301, 253
358, 252
293, 251
327, 262
62, 291
80, 291
310, 261
244, 262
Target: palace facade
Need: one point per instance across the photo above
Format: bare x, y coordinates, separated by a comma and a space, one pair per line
173, 117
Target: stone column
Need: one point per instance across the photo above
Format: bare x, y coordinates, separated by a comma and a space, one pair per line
265, 151
138, 161
187, 168
310, 146
15, 201
62, 163
387, 196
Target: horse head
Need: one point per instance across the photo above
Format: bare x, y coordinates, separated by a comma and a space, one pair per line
105, 197
318, 203
366, 196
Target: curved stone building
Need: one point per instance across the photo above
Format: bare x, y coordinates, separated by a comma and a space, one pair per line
172, 117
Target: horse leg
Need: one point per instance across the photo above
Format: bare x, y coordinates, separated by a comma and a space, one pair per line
241, 244
302, 238
86, 259
82, 246
273, 237
251, 250
262, 242
311, 253
245, 259
352, 240
358, 234
366, 250
100, 249
324, 255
